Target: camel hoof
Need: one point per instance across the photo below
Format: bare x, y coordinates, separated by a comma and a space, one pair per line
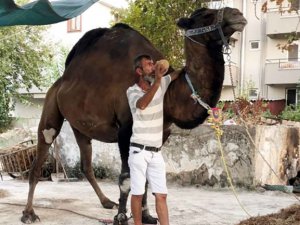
110, 205
148, 219
29, 217
121, 219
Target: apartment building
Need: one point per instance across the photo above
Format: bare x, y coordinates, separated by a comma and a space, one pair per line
259, 67
281, 69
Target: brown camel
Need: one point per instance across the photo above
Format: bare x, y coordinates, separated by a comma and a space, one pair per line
91, 94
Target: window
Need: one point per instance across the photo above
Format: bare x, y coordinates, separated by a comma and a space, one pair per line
253, 93
291, 97
293, 52
74, 24
295, 4
254, 45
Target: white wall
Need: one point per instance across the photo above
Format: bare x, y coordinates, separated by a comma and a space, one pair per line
253, 58
98, 15
276, 92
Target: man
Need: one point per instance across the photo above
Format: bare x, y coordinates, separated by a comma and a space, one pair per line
145, 159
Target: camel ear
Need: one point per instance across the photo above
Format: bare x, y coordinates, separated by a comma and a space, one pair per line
184, 23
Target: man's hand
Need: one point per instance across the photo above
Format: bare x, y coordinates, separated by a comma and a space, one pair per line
161, 67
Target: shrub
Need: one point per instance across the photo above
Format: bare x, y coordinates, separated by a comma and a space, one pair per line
291, 113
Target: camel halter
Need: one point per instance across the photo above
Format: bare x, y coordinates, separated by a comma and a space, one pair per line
210, 28
199, 31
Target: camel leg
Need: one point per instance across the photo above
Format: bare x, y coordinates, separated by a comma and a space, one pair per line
49, 127
124, 178
85, 147
124, 181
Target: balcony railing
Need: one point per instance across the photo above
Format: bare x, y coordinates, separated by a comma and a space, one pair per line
282, 71
289, 65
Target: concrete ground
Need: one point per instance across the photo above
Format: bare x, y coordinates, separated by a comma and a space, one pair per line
187, 205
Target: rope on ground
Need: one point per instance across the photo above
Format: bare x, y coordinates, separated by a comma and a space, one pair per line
214, 119
104, 221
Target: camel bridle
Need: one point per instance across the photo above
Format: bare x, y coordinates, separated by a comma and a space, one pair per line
202, 30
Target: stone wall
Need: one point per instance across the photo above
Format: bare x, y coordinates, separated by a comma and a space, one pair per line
193, 157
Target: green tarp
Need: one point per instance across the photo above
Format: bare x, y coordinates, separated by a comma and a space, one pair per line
41, 12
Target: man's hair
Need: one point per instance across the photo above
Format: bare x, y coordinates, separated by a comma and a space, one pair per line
138, 60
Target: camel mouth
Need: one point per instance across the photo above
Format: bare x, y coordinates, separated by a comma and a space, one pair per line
239, 25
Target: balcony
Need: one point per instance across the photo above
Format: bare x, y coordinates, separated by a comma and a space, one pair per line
282, 71
227, 79
278, 25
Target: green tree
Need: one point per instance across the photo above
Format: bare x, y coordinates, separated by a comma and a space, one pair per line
24, 57
156, 20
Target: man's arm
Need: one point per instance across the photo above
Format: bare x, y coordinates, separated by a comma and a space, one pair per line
144, 101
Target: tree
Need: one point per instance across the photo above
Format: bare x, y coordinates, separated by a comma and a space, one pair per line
24, 57
156, 20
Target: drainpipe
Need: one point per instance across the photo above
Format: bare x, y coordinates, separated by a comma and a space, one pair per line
242, 53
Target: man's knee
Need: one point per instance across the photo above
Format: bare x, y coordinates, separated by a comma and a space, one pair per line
160, 197
137, 197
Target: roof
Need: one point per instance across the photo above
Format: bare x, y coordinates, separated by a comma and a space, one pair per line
41, 12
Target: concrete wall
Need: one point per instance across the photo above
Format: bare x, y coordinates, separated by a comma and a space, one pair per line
194, 157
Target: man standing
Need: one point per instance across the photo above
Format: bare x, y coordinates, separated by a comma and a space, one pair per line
145, 159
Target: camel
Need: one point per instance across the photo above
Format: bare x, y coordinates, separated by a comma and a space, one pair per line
91, 94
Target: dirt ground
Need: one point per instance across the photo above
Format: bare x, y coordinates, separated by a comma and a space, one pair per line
289, 216
75, 203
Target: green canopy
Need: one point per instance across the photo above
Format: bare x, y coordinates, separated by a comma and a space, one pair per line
41, 12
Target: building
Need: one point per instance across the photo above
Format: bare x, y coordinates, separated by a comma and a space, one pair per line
281, 69
259, 67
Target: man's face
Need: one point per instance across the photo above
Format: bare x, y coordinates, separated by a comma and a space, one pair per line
148, 71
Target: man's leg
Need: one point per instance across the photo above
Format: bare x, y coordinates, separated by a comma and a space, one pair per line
136, 209
156, 174
138, 167
162, 208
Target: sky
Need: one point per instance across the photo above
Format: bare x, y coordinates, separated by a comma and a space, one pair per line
116, 3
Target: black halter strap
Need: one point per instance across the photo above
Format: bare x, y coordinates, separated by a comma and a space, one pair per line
207, 29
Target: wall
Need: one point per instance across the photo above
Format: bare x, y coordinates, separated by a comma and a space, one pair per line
193, 156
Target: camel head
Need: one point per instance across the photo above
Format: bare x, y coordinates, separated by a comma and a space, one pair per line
203, 24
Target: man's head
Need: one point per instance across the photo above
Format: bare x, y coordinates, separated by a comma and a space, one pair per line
144, 67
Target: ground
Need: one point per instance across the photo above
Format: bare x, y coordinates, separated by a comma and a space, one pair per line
75, 203
289, 216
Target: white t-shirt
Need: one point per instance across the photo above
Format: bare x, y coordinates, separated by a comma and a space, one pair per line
147, 126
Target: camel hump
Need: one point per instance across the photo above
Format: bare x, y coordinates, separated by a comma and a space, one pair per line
122, 25
89, 39
84, 43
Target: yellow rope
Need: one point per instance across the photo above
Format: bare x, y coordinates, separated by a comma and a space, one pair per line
215, 120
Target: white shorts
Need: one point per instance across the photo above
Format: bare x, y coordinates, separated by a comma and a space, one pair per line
147, 165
